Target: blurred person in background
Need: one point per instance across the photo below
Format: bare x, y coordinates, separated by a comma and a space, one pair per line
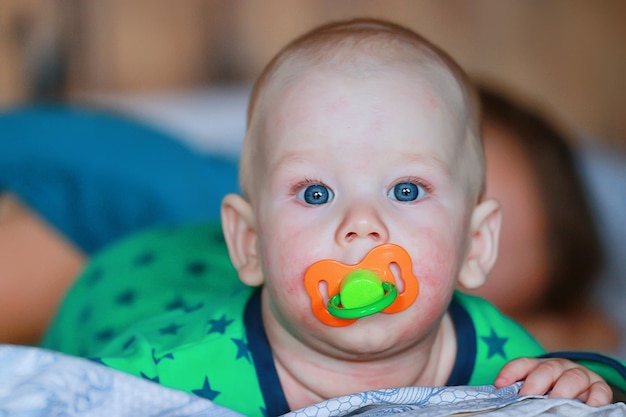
550, 252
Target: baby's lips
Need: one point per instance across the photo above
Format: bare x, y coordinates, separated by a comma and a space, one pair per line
378, 260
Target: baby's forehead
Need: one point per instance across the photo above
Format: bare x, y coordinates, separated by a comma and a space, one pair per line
299, 81
306, 102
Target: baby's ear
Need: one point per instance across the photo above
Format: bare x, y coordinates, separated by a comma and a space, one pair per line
483, 249
240, 234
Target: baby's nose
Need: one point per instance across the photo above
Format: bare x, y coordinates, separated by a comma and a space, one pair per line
362, 221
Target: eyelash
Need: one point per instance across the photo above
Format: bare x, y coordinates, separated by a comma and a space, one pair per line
418, 181
297, 187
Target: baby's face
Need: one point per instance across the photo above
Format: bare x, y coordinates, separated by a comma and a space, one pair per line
349, 163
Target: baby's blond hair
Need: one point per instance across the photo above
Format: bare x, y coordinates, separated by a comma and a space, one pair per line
360, 45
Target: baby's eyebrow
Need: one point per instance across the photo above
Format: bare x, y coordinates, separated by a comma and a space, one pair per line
289, 162
293, 157
300, 157
431, 159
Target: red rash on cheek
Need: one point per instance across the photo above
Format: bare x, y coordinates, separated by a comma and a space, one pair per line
436, 262
289, 273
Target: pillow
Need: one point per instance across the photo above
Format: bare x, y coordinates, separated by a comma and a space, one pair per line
95, 175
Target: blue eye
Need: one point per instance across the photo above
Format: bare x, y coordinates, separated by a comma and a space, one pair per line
316, 194
406, 191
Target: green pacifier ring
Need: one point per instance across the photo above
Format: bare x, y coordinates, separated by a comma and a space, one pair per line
391, 293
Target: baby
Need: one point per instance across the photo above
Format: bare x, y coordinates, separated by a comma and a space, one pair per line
360, 134
362, 158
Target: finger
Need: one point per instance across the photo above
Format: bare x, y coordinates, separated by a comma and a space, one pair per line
542, 378
599, 393
572, 384
516, 370
584, 385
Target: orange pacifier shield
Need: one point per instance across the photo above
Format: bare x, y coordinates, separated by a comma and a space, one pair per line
360, 290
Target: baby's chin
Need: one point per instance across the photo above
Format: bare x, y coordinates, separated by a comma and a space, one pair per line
372, 337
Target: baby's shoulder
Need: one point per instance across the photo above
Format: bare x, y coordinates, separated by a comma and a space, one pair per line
490, 327
143, 277
484, 317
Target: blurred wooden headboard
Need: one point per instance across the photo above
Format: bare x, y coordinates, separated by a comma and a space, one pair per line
566, 54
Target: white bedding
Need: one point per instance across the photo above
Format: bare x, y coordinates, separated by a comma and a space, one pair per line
40, 383
36, 382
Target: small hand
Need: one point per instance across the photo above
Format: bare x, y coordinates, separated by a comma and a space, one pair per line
561, 378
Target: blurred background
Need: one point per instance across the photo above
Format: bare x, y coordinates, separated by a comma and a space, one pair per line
568, 55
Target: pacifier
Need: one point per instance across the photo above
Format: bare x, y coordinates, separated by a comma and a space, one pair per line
363, 289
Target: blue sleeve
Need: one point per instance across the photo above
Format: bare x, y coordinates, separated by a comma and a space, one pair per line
96, 176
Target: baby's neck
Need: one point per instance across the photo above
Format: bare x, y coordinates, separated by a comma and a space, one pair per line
308, 377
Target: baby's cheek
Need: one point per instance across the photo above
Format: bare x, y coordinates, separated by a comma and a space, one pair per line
436, 274
285, 275
436, 267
